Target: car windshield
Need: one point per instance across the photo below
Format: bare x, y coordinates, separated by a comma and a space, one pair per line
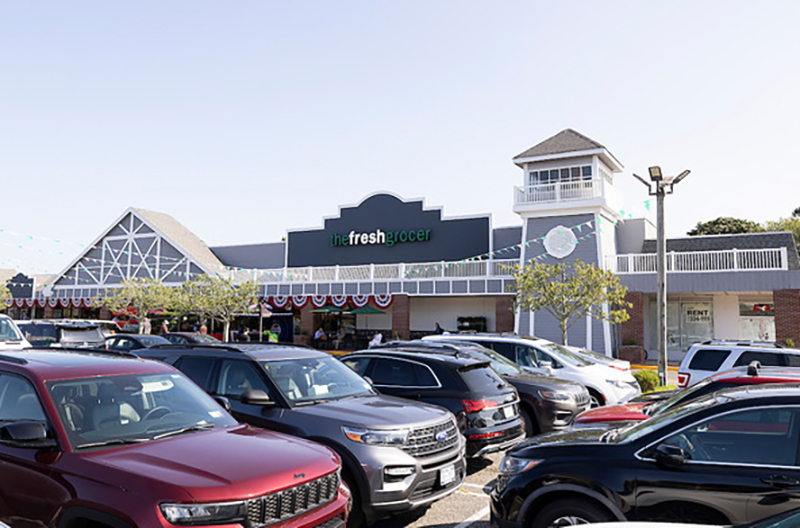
205, 338
593, 355
314, 380
132, 408
565, 354
82, 335
681, 396
645, 427
9, 332
152, 340
499, 363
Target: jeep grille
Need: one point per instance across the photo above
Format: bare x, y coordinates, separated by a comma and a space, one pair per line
275, 507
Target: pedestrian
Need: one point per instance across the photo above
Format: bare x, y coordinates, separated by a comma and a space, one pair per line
376, 340
164, 327
203, 329
438, 330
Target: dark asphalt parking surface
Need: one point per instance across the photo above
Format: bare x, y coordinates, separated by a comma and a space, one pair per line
468, 506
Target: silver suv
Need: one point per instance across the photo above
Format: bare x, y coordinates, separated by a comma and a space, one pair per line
707, 358
397, 455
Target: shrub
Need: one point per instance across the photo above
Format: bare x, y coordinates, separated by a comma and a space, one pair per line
648, 379
789, 342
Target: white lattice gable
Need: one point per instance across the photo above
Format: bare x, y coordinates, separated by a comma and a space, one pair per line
142, 244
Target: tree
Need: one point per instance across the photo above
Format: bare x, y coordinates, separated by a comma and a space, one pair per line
570, 291
217, 298
791, 224
5, 296
144, 296
725, 226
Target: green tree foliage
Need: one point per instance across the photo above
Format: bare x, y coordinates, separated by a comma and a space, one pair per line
216, 298
5, 296
791, 224
144, 296
570, 291
725, 226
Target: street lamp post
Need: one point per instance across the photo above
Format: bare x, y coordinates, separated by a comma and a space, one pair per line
659, 186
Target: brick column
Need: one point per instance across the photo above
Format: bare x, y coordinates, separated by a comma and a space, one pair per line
503, 314
49, 312
105, 313
306, 325
787, 315
401, 316
633, 328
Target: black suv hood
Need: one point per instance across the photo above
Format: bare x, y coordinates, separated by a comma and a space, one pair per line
569, 439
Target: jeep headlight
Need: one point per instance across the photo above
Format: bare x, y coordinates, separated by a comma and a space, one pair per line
208, 513
395, 437
555, 395
511, 465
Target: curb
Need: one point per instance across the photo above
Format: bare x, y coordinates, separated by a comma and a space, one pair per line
651, 367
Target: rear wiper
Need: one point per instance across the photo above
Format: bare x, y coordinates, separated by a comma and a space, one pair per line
190, 429
113, 441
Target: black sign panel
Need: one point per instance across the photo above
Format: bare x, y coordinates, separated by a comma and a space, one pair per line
20, 286
383, 229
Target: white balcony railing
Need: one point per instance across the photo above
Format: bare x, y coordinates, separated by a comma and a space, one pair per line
383, 272
558, 192
703, 261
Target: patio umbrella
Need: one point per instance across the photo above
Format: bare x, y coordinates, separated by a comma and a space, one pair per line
366, 310
329, 309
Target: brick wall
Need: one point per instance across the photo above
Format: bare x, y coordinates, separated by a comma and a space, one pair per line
306, 325
633, 328
503, 316
401, 319
787, 315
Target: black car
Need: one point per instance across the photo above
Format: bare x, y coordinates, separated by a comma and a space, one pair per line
126, 342
485, 405
546, 403
727, 458
397, 455
190, 338
62, 334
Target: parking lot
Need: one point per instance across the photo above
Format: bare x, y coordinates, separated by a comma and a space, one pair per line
467, 507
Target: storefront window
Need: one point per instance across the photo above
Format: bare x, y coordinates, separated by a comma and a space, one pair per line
757, 321
687, 323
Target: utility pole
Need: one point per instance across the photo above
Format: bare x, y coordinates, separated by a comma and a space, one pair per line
659, 188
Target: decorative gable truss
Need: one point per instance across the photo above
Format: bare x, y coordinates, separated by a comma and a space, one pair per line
131, 248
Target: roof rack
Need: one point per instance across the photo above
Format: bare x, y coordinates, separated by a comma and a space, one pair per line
95, 350
14, 359
737, 342
225, 346
433, 346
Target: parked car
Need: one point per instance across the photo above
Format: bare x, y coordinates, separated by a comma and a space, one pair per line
129, 342
50, 333
190, 338
397, 455
704, 359
596, 357
485, 405
98, 440
618, 415
10, 335
546, 403
728, 457
107, 328
789, 519
606, 385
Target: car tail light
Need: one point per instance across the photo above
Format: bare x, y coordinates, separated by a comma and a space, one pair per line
484, 436
478, 405
683, 379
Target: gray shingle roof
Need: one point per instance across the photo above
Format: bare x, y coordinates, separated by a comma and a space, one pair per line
565, 141
724, 242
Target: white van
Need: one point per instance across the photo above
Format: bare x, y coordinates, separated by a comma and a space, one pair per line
705, 359
10, 336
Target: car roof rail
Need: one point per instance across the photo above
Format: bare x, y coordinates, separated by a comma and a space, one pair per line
431, 346
95, 350
13, 359
183, 346
753, 368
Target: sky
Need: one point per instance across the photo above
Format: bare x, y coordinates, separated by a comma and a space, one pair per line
243, 119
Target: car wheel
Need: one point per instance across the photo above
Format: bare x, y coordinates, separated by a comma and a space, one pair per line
570, 512
529, 423
596, 399
357, 519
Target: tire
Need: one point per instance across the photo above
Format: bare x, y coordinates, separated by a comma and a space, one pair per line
570, 512
529, 423
357, 519
596, 399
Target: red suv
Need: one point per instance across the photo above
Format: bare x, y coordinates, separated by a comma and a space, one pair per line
89, 439
753, 374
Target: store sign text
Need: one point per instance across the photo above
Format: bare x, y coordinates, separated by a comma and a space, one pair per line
387, 238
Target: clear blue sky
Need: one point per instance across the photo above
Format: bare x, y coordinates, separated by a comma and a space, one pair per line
243, 119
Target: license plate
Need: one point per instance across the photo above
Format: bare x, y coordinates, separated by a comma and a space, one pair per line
508, 412
447, 475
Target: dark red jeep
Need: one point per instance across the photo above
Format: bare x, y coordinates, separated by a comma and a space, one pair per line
92, 440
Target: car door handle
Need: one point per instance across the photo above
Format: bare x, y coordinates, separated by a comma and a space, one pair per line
780, 481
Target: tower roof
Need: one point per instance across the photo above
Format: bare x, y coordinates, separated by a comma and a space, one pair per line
564, 143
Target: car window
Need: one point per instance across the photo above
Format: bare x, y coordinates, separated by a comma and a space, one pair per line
506, 349
315, 379
400, 373
8, 332
237, 376
198, 369
18, 400
358, 364
708, 359
565, 355
526, 356
767, 359
760, 436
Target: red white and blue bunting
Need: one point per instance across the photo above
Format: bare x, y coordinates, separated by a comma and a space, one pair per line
320, 301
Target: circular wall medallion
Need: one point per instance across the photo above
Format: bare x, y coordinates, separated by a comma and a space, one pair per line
560, 242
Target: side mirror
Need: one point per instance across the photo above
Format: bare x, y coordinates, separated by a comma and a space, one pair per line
222, 400
26, 434
670, 456
255, 397
369, 380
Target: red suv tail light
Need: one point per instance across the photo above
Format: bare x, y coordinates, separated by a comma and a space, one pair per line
683, 379
478, 405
